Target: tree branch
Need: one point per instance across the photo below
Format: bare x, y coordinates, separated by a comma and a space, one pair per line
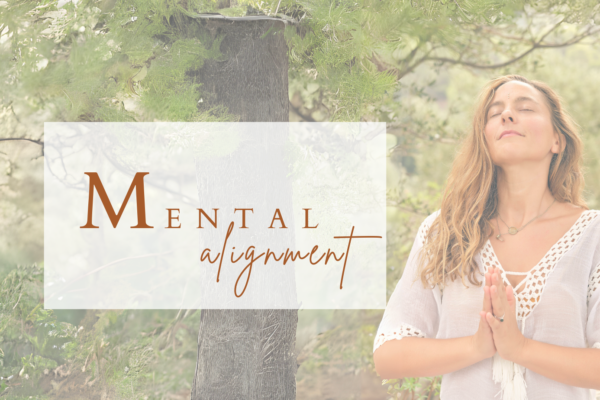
401, 72
36, 141
26, 139
415, 64
537, 45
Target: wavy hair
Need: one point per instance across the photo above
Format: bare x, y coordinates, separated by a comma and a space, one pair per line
470, 199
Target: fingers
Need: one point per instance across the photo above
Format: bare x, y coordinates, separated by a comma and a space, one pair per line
487, 302
492, 321
488, 277
497, 279
510, 297
500, 288
487, 299
498, 305
483, 318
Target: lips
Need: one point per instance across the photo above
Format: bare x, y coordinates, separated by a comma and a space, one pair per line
509, 133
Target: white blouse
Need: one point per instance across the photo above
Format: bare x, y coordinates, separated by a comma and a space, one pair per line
560, 304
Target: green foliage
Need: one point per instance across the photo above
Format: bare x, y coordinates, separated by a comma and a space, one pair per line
139, 354
94, 61
129, 352
417, 388
132, 353
335, 55
167, 91
21, 193
360, 52
345, 348
50, 336
35, 365
409, 203
31, 339
83, 63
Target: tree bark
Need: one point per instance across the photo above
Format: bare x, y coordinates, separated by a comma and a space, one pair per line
253, 81
247, 354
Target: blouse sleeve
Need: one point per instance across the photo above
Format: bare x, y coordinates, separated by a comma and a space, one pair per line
412, 310
593, 321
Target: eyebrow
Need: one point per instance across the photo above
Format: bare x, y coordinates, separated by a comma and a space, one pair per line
517, 100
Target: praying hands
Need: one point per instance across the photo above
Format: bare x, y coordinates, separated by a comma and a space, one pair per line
498, 332
500, 313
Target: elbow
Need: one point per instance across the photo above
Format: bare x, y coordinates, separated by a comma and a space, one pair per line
387, 367
383, 372
385, 375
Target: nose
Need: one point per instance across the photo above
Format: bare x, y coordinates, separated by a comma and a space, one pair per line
507, 115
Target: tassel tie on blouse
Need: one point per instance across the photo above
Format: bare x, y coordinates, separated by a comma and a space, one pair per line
510, 376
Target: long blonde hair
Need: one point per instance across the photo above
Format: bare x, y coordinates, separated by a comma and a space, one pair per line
470, 199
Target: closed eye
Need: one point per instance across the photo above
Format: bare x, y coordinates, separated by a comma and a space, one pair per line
526, 109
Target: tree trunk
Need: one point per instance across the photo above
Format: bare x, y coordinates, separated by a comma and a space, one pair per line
253, 81
247, 354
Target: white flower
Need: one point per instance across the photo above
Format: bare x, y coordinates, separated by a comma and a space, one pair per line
41, 65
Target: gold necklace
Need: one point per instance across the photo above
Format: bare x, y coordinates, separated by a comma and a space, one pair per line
511, 229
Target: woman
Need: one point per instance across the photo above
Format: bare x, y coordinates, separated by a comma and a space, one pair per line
514, 225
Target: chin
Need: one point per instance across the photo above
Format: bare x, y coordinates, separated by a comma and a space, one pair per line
509, 159
514, 160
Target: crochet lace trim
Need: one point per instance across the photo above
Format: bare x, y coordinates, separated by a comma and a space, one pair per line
536, 278
594, 283
404, 330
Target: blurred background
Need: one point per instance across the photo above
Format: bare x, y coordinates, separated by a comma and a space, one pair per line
418, 67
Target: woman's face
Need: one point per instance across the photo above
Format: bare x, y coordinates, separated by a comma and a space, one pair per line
519, 126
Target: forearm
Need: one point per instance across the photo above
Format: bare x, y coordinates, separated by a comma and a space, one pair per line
569, 365
415, 357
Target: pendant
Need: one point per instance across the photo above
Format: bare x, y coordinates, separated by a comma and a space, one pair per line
512, 230
499, 237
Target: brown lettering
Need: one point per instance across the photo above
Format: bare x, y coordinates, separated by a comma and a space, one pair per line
277, 216
201, 212
206, 254
269, 253
306, 219
348, 250
293, 256
244, 216
171, 218
314, 249
229, 230
248, 267
137, 183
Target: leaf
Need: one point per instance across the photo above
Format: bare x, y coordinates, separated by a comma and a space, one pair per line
55, 14
141, 74
30, 317
312, 87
